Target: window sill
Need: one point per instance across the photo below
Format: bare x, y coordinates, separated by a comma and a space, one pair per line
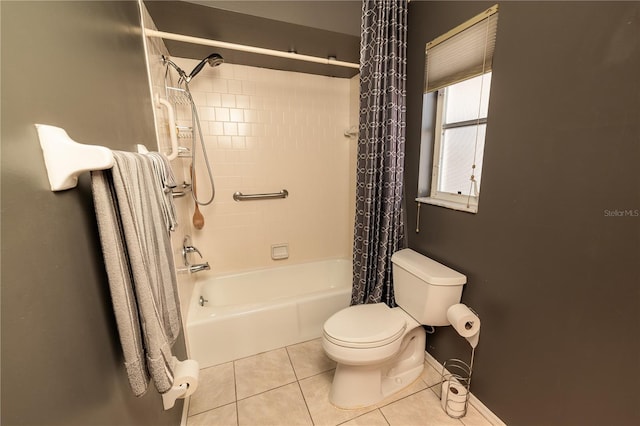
472, 208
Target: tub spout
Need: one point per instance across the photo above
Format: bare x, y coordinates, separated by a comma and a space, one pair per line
199, 267
194, 268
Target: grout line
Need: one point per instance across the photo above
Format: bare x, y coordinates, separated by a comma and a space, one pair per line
286, 348
364, 414
299, 386
305, 403
265, 391
385, 417
433, 385
211, 409
318, 374
235, 391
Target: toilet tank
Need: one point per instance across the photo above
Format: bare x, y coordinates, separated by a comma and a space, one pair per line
424, 288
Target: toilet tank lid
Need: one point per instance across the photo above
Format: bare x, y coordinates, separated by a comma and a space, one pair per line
427, 269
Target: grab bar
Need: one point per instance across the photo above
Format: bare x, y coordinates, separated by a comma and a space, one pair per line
173, 133
239, 196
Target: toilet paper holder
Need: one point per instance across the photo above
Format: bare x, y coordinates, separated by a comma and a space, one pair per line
456, 374
176, 392
185, 382
455, 384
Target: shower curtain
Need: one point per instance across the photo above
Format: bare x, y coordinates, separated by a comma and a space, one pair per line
379, 230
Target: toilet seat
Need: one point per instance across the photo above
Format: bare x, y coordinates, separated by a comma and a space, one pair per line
365, 326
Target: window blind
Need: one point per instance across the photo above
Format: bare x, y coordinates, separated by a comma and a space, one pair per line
462, 53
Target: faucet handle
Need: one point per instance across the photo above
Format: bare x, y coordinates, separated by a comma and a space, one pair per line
186, 250
190, 249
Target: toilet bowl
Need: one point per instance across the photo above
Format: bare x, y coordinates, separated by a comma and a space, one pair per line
380, 350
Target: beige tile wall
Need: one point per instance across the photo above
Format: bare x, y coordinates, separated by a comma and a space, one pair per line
267, 130
264, 130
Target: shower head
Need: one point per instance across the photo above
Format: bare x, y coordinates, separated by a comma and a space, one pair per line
213, 60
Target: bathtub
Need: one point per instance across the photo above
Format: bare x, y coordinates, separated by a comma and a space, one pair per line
257, 311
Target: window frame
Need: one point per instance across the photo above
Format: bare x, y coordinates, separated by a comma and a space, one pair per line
440, 127
433, 131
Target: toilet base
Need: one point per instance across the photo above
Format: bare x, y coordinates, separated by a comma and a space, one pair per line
357, 386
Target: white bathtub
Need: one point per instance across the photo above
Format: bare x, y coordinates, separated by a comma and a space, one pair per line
257, 311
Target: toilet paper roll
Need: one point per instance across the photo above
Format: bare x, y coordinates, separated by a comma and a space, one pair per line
187, 372
453, 398
465, 322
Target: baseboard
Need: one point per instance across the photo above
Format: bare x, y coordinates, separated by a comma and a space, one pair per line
477, 404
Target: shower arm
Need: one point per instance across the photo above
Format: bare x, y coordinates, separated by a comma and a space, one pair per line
181, 73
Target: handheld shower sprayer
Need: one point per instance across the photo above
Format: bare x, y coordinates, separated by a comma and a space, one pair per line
213, 60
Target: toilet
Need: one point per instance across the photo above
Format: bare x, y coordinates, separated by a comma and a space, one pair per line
380, 350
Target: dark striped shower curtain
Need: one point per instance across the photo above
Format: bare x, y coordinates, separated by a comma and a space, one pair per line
379, 230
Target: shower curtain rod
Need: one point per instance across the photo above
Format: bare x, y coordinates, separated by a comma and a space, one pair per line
244, 48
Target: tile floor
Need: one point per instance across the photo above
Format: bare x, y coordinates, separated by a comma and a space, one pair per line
290, 386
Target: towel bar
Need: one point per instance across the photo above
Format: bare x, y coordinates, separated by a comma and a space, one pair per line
239, 196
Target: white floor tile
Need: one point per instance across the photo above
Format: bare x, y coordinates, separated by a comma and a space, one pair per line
263, 372
308, 359
281, 406
216, 387
221, 416
290, 386
374, 418
422, 408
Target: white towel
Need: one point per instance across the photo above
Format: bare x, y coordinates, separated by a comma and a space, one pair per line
164, 175
140, 267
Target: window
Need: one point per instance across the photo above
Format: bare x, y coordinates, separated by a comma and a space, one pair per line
455, 113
